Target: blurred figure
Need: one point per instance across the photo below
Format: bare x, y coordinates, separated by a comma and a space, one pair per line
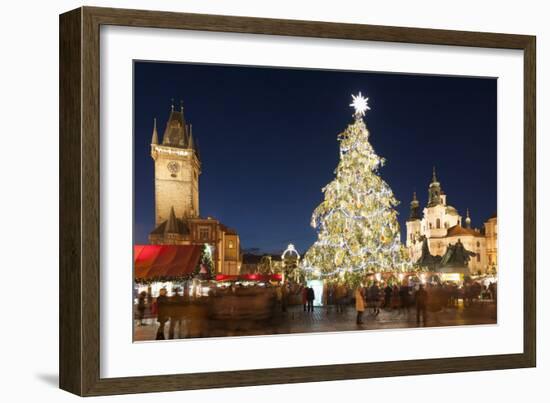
434, 300
141, 307
177, 306
325, 296
404, 298
284, 297
387, 296
421, 301
395, 297
374, 298
359, 304
162, 313
304, 296
310, 299
493, 291
340, 295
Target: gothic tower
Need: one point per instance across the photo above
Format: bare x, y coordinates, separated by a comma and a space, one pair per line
434, 193
414, 213
177, 170
413, 222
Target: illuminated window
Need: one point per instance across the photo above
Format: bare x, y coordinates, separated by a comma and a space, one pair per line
230, 245
204, 233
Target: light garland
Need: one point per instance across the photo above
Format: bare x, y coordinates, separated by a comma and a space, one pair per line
358, 231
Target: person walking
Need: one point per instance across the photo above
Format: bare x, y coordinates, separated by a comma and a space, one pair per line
162, 313
359, 304
387, 296
177, 306
310, 298
304, 296
421, 301
325, 296
141, 307
374, 298
284, 296
341, 293
404, 298
395, 297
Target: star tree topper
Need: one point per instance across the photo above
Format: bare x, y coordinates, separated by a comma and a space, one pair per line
360, 104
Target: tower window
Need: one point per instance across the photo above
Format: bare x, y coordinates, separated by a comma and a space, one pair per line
204, 233
478, 257
438, 223
230, 244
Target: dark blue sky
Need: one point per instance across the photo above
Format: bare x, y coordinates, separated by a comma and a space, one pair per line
268, 141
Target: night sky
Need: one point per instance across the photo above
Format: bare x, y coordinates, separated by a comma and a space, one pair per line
268, 141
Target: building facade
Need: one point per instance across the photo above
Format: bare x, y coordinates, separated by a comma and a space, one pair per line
177, 168
441, 224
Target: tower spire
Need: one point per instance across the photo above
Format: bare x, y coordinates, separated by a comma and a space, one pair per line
414, 213
468, 219
434, 176
155, 137
191, 143
171, 225
176, 132
434, 191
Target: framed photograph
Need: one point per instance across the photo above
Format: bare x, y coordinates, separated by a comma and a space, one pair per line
249, 201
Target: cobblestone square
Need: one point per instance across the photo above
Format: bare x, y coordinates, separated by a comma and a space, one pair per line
324, 319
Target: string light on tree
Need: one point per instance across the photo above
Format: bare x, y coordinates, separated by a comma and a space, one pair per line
356, 223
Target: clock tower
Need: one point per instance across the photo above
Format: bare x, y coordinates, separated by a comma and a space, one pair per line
177, 169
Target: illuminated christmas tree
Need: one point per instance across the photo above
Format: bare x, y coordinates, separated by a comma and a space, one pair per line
357, 226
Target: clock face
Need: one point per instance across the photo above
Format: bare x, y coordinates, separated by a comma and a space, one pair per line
173, 167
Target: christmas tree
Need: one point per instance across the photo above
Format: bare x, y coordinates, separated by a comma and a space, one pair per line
357, 226
205, 266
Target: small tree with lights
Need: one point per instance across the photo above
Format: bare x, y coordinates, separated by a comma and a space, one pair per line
357, 226
205, 265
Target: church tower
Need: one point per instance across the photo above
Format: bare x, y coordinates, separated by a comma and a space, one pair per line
177, 169
434, 191
413, 222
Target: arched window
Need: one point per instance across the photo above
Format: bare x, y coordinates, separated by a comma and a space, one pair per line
478, 244
430, 225
438, 223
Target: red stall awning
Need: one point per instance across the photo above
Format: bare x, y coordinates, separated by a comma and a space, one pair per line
158, 261
249, 277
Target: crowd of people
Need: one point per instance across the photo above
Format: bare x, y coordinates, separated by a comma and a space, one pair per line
431, 297
186, 316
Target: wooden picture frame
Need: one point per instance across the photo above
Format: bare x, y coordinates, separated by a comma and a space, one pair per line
79, 347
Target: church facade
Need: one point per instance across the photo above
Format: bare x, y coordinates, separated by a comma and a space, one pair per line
177, 168
442, 225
